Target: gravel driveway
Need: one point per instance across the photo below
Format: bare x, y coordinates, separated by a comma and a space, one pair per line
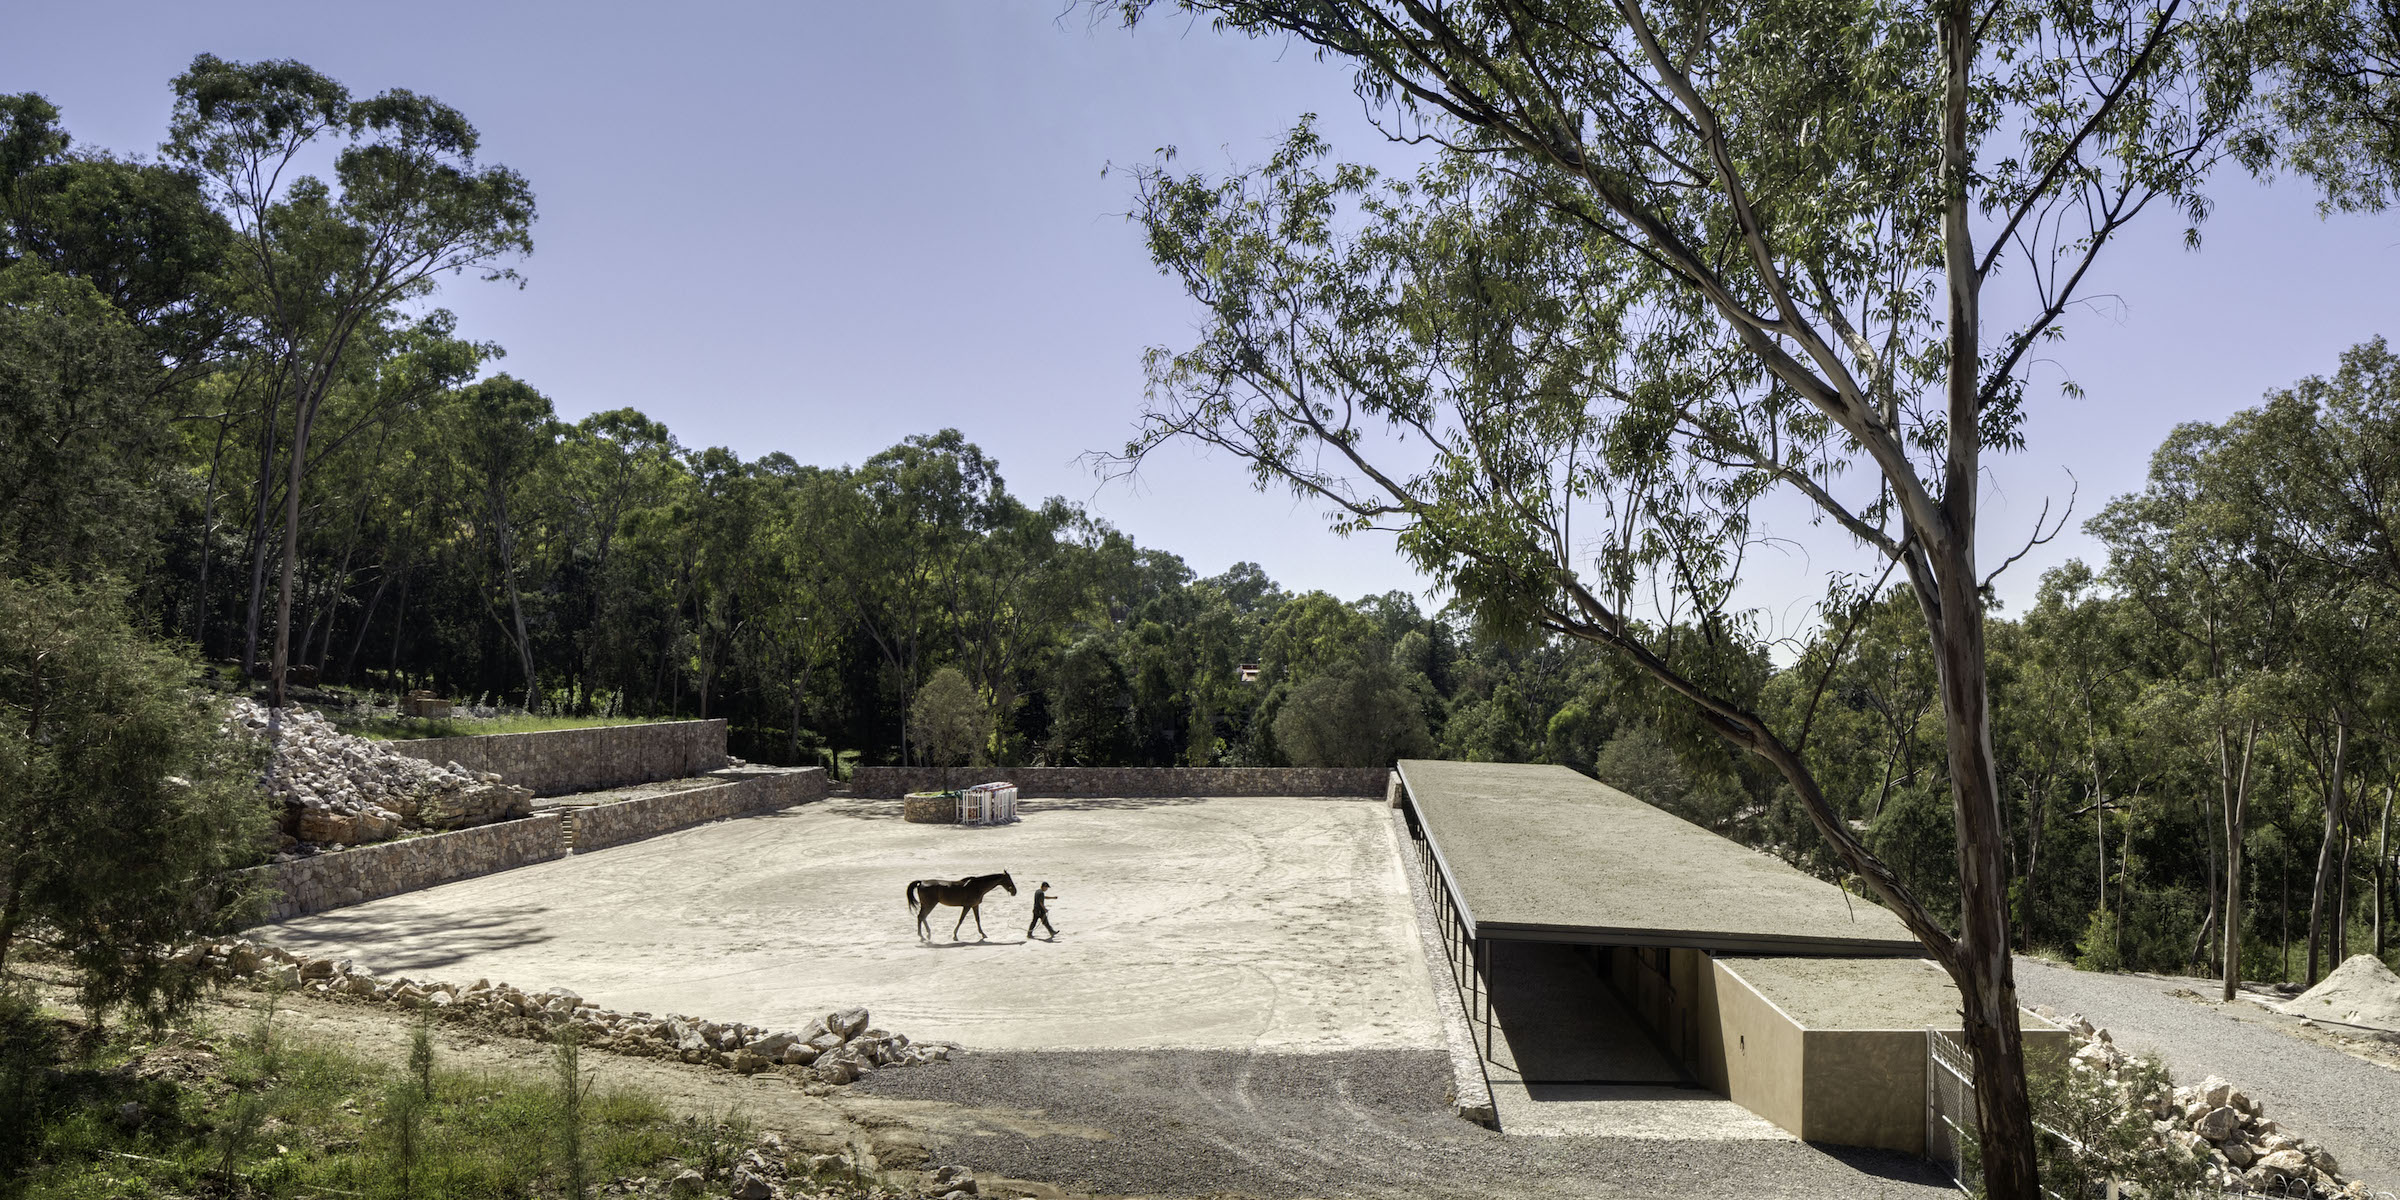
2350, 1106
1361, 1123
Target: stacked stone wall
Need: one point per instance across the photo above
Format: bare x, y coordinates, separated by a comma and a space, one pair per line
1079, 782
561, 762
323, 881
764, 790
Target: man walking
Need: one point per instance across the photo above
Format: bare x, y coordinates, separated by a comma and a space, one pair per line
1041, 913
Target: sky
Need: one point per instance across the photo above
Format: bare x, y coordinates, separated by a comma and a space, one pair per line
818, 228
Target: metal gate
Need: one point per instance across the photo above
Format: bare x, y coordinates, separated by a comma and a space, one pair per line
1949, 1103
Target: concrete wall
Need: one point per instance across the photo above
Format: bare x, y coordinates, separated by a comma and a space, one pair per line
561, 762
1864, 1087
325, 881
1363, 782
763, 790
1844, 1087
1756, 1054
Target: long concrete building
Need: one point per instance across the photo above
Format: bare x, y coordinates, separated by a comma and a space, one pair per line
1605, 947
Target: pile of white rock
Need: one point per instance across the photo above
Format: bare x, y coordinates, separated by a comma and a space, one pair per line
836, 1048
2239, 1147
339, 790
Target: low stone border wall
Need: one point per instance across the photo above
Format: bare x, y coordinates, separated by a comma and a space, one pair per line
561, 762
766, 789
885, 783
938, 809
323, 881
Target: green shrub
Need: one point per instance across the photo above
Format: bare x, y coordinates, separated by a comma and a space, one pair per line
2098, 949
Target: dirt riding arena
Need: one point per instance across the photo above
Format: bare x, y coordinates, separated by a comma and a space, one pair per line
1221, 924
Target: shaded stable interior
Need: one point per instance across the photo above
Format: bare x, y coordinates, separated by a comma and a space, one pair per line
1607, 949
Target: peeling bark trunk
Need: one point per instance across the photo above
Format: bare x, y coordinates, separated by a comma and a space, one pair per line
2383, 862
286, 570
2335, 793
2237, 803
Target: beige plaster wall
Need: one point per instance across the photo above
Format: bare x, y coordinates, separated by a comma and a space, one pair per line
1756, 1056
1864, 1087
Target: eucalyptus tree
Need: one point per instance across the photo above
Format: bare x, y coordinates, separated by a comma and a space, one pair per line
2339, 103
88, 437
1014, 593
505, 433
916, 511
612, 466
316, 263
141, 234
2190, 554
1674, 259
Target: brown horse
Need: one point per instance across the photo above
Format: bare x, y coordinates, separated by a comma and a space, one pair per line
965, 894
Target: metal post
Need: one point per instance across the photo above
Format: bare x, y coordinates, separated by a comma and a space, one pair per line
1483, 986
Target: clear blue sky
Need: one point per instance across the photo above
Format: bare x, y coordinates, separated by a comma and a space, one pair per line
818, 228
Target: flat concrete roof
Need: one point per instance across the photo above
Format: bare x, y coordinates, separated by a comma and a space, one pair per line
1853, 993
1541, 853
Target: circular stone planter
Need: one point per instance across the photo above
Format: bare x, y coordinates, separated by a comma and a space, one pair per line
930, 808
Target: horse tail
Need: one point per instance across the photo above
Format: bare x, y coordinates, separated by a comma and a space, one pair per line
912, 893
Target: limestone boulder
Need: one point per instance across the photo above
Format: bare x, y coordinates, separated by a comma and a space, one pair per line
849, 1022
2217, 1124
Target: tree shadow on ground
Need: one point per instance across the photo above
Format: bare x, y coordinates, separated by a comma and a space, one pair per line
1885, 1164
415, 941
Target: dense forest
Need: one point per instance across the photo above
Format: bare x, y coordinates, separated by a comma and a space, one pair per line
227, 396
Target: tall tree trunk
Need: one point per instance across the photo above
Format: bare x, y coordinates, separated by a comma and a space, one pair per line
2334, 795
2383, 862
2198, 959
1986, 976
366, 621
208, 529
2100, 848
288, 569
2237, 803
259, 531
2341, 896
391, 666
505, 538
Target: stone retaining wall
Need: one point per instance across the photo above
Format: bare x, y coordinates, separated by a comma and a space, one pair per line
561, 762
890, 782
323, 881
763, 790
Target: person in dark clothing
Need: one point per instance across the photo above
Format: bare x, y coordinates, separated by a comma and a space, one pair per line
1041, 912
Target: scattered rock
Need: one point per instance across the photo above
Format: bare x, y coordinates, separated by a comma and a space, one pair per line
2217, 1124
822, 1056
337, 790
2236, 1144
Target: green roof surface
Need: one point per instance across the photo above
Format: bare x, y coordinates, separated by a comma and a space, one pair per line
1543, 853
1853, 993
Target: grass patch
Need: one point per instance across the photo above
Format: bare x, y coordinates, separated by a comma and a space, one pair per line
97, 1117
393, 728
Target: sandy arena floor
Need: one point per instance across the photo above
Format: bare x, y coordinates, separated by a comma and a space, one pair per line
1271, 924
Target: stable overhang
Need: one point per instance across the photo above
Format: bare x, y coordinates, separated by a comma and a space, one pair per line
1541, 853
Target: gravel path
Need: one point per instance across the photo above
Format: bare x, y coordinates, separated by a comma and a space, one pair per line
1366, 1123
2350, 1106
